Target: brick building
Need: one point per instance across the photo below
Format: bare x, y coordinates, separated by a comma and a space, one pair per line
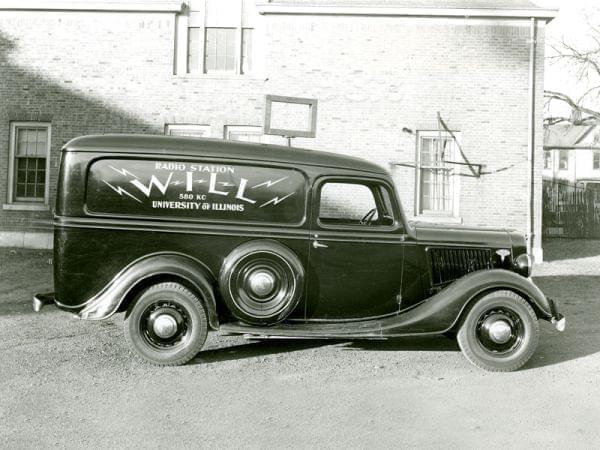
397, 82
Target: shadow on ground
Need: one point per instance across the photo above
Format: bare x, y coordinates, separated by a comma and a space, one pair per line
268, 347
255, 349
24, 272
578, 297
556, 249
407, 344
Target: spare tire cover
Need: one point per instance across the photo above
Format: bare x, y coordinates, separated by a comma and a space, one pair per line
261, 282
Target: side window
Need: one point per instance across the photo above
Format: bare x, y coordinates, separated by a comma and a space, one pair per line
346, 203
198, 190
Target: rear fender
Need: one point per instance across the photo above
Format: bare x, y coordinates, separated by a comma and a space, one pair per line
107, 302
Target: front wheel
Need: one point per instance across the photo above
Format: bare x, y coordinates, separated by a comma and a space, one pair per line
166, 324
500, 332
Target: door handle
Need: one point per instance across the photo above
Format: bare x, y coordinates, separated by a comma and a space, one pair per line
317, 244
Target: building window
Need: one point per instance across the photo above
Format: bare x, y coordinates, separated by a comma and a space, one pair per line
437, 177
250, 133
194, 43
596, 160
187, 130
547, 159
29, 162
219, 50
244, 133
563, 160
220, 36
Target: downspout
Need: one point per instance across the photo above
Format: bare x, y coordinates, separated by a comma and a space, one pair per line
531, 135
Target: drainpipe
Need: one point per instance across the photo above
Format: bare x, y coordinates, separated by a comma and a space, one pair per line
531, 135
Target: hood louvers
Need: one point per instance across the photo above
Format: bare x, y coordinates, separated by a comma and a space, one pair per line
449, 264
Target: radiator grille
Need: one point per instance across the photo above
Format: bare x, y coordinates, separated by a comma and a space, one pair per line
449, 264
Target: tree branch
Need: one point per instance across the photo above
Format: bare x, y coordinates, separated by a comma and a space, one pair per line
574, 105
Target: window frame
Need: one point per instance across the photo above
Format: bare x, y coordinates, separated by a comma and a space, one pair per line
255, 130
186, 126
11, 194
454, 212
197, 18
236, 64
371, 184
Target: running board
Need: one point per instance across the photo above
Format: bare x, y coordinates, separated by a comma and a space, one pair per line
371, 329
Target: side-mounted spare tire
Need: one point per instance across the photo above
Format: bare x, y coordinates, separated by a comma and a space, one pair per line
261, 282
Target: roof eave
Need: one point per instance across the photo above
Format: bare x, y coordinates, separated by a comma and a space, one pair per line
275, 9
173, 6
571, 147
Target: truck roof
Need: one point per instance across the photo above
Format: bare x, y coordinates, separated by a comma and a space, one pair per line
217, 148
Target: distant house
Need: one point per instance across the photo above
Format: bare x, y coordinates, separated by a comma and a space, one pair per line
572, 153
381, 71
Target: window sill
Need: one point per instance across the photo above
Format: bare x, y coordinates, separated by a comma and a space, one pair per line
222, 76
25, 207
438, 219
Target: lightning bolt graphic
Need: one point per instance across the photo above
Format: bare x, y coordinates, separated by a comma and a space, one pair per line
276, 200
176, 183
225, 183
124, 172
200, 181
119, 190
268, 183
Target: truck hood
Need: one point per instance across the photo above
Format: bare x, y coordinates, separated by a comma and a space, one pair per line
463, 235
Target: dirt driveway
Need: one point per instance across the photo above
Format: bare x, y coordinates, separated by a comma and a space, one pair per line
68, 383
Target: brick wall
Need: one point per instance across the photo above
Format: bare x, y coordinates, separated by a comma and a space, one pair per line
373, 77
96, 72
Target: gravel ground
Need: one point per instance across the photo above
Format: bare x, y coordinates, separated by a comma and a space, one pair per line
75, 384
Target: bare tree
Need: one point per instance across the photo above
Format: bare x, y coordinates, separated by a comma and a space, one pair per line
583, 62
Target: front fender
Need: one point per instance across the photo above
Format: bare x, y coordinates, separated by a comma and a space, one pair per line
442, 311
106, 302
475, 283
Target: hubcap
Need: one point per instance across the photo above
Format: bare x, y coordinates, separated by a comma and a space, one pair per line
165, 326
261, 283
499, 331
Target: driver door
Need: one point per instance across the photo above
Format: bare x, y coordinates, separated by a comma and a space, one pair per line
355, 255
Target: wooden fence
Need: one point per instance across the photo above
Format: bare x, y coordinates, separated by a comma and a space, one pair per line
570, 210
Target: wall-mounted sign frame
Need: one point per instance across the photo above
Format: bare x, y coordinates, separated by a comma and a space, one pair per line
311, 104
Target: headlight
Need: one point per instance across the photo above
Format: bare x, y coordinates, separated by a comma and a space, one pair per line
523, 264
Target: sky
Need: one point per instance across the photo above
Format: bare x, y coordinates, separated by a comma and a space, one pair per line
571, 24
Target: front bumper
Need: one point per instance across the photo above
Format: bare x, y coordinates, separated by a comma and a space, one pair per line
559, 322
40, 300
557, 319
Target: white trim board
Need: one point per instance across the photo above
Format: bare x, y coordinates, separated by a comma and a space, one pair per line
22, 239
271, 8
174, 6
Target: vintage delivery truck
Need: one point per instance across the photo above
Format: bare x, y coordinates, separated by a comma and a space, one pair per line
187, 235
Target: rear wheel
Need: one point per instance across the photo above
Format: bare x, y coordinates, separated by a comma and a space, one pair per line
166, 324
500, 332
